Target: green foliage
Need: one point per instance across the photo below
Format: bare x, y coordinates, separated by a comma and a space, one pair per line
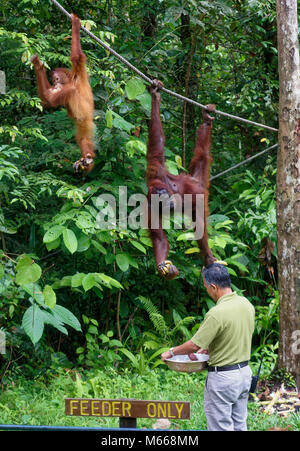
28, 401
100, 349
164, 334
56, 264
43, 309
267, 319
260, 218
140, 362
283, 376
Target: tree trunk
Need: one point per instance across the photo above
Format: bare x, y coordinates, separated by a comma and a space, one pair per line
288, 187
187, 106
148, 22
188, 78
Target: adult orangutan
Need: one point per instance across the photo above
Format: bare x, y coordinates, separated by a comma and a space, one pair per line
161, 182
72, 90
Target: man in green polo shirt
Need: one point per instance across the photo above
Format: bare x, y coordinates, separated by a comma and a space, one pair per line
225, 334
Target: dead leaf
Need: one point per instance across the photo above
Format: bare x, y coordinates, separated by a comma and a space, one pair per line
162, 423
276, 428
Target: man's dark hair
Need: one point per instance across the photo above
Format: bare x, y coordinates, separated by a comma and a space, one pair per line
217, 274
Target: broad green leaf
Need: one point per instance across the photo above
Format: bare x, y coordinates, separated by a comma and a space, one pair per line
104, 338
99, 247
220, 241
146, 241
109, 259
93, 330
232, 272
53, 320
65, 281
186, 236
134, 88
108, 281
115, 342
135, 145
28, 274
139, 246
238, 264
172, 167
53, 244
115, 283
122, 262
33, 323
35, 291
24, 260
121, 124
223, 224
83, 243
53, 233
192, 250
132, 261
77, 279
178, 160
70, 240
109, 119
66, 317
49, 296
145, 100
88, 282
84, 222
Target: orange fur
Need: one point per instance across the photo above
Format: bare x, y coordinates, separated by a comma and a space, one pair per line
160, 181
72, 90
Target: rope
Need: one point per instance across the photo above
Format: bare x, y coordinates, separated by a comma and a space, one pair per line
147, 79
243, 162
123, 60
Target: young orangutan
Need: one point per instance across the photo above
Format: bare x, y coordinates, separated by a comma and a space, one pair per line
72, 90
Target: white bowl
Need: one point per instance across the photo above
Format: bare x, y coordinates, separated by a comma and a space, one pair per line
185, 364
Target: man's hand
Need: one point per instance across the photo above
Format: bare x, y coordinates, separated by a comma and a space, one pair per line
166, 355
202, 351
185, 348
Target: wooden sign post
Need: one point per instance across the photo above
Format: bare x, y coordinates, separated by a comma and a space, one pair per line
128, 410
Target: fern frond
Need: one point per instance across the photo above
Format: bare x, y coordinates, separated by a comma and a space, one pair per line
148, 305
181, 326
155, 316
